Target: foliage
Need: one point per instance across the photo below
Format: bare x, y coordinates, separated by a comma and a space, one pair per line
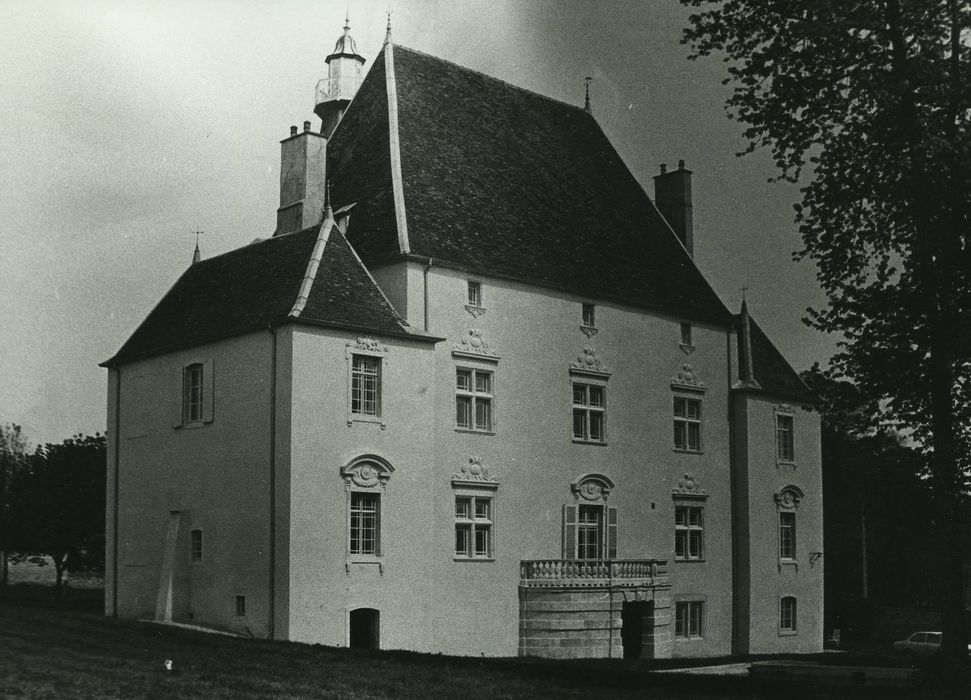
59, 504
13, 459
868, 103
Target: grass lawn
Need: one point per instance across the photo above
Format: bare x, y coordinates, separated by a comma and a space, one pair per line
48, 652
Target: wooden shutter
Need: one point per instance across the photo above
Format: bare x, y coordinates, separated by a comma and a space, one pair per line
207, 391
569, 532
179, 402
611, 533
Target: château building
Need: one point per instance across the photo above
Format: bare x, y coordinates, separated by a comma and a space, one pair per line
473, 396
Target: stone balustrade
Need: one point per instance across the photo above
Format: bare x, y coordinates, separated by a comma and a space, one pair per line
590, 572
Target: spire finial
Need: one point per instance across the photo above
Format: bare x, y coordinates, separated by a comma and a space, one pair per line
744, 305
586, 101
387, 35
196, 255
328, 211
347, 19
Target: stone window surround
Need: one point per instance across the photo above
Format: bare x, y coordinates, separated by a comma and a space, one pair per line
367, 473
367, 347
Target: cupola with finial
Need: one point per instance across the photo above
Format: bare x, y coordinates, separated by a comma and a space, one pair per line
344, 73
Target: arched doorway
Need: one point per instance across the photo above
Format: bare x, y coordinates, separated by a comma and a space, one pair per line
365, 627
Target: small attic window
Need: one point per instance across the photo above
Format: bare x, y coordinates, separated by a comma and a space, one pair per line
589, 315
475, 294
686, 334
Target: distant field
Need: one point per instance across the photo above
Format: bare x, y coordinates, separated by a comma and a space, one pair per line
44, 575
51, 653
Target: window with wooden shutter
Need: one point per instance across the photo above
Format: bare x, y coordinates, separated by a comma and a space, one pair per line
611, 533
569, 532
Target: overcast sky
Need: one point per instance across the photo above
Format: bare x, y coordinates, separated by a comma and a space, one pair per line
127, 124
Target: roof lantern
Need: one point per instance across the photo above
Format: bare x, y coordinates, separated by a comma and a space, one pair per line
345, 46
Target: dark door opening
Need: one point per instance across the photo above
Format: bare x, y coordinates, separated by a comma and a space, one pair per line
365, 628
635, 617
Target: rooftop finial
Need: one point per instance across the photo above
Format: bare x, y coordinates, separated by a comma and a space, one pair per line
196, 255
328, 210
586, 101
387, 35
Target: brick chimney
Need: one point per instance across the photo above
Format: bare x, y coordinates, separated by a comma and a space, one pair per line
672, 194
302, 178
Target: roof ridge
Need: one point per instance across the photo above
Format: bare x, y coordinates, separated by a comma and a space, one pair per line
257, 241
495, 79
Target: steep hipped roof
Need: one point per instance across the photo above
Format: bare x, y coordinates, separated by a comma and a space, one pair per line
255, 287
771, 370
505, 182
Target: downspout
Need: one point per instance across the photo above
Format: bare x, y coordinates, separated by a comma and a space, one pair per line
428, 266
114, 500
271, 607
732, 492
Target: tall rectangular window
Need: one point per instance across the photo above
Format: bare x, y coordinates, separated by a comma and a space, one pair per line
787, 614
366, 385
785, 444
589, 407
473, 527
475, 294
689, 619
686, 334
689, 533
240, 606
195, 545
365, 521
687, 424
589, 317
787, 535
192, 393
590, 532
473, 399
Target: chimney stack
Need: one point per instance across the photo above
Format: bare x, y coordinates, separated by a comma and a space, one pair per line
302, 177
672, 195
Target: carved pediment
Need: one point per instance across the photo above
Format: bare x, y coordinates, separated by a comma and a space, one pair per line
688, 378
688, 487
474, 474
475, 344
788, 497
367, 472
587, 361
591, 487
367, 344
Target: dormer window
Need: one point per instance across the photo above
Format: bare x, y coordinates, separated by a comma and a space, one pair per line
475, 294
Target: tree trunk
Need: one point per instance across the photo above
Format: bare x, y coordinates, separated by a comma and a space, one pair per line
58, 586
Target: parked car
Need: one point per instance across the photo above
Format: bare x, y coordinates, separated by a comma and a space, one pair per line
921, 644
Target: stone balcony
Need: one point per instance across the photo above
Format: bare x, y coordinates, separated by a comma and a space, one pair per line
592, 573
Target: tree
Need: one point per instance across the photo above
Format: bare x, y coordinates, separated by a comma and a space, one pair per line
868, 104
13, 459
59, 506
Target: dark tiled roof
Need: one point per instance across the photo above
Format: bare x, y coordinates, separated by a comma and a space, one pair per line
502, 181
254, 287
773, 373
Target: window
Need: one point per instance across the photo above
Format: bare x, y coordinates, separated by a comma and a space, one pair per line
785, 448
787, 535
589, 529
589, 317
192, 394
365, 519
473, 527
689, 619
366, 385
473, 399
688, 533
240, 606
589, 404
787, 614
686, 335
475, 294
687, 424
195, 546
